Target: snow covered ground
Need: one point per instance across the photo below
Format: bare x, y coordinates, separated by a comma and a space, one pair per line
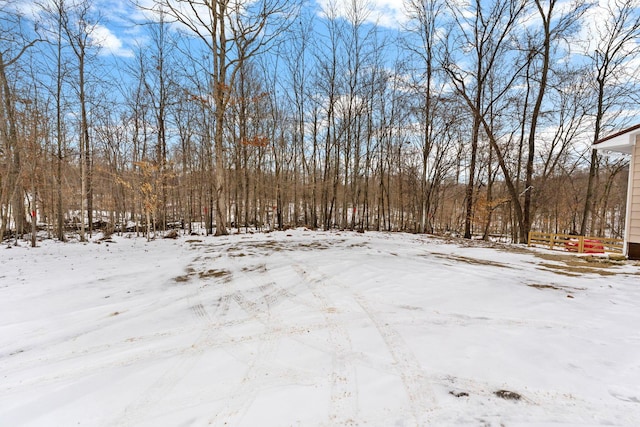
304, 328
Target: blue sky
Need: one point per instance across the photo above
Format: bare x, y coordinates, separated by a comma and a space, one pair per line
119, 32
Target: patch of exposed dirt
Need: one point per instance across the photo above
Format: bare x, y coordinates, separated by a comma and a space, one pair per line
479, 243
459, 393
214, 273
557, 270
573, 266
575, 270
243, 248
317, 245
185, 277
508, 395
544, 287
260, 268
574, 260
556, 287
270, 244
567, 289
359, 245
473, 261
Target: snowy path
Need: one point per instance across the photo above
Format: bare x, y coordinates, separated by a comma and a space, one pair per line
314, 329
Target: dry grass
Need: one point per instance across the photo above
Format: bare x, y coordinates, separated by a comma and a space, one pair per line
575, 270
472, 261
567, 289
573, 265
185, 277
261, 268
575, 260
214, 273
545, 287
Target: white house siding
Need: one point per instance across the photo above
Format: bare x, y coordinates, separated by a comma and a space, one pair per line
634, 211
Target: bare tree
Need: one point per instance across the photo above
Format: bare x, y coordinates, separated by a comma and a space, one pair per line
78, 23
295, 55
14, 42
159, 87
54, 19
232, 31
426, 15
617, 45
486, 35
555, 28
531, 68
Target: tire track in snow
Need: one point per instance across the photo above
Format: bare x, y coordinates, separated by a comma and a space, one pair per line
343, 400
255, 377
262, 371
421, 397
344, 389
189, 356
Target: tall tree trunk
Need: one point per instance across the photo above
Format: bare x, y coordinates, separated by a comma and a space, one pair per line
84, 163
15, 189
59, 131
475, 135
535, 115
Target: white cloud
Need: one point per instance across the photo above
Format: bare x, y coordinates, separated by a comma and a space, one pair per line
385, 13
29, 9
108, 12
109, 42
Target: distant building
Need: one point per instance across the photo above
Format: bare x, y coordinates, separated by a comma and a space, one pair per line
628, 142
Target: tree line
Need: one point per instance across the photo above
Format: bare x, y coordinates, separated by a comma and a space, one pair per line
472, 118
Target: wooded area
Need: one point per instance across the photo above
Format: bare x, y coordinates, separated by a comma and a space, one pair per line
473, 119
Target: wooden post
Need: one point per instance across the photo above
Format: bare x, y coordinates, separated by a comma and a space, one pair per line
580, 244
34, 227
552, 238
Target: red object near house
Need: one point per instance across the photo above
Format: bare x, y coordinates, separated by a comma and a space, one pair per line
590, 246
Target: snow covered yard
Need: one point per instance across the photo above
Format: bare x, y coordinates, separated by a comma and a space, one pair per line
315, 329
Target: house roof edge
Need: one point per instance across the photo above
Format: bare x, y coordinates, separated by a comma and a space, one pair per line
620, 133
